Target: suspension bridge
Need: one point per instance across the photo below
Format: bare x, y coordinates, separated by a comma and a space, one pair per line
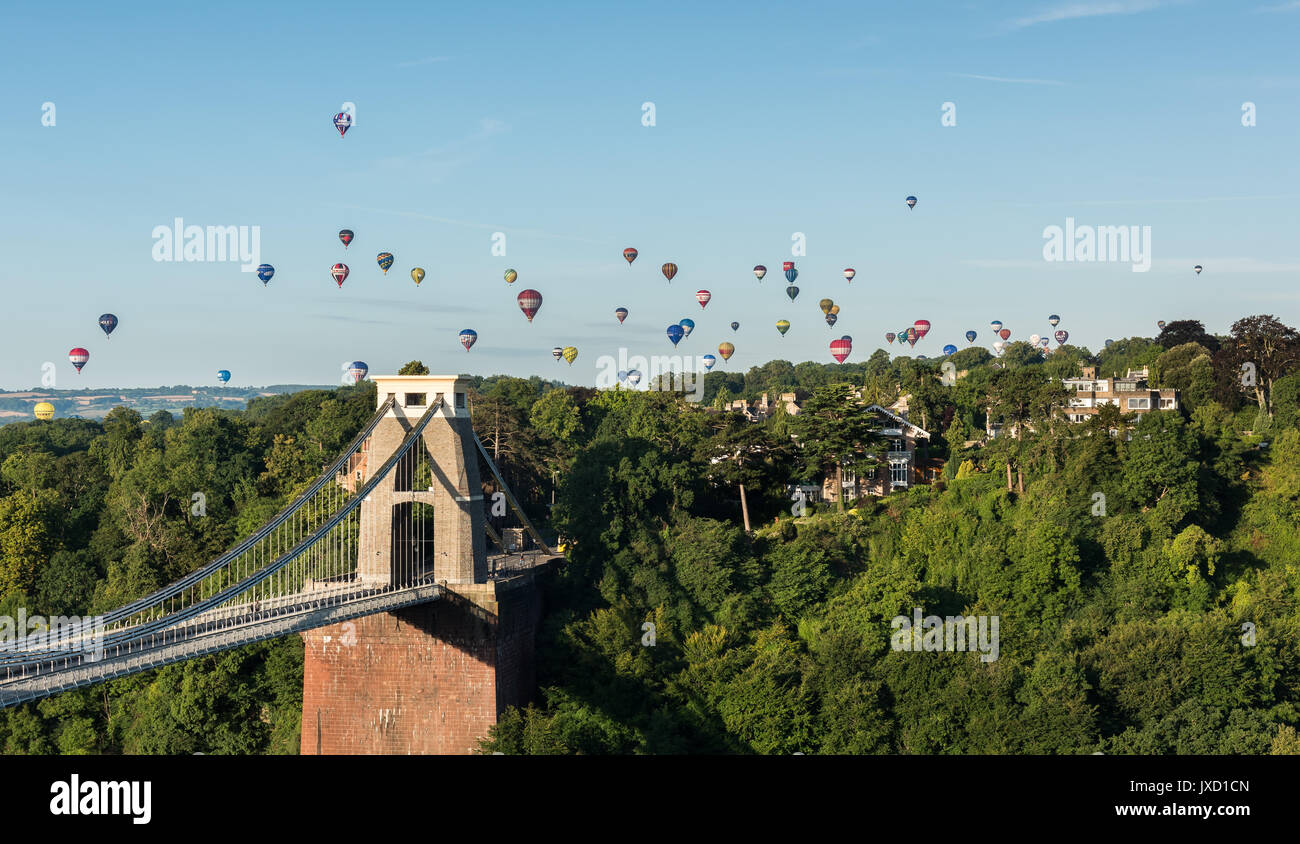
395, 522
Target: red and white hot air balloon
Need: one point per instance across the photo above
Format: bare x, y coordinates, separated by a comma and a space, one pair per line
529, 302
340, 273
840, 349
629, 255
78, 356
849, 273
703, 297
922, 327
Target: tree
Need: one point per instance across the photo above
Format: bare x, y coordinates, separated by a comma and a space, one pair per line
835, 430
414, 367
1183, 331
1270, 347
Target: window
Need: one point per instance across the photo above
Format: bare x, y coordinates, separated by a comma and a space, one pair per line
1139, 404
413, 400
1166, 404
460, 401
898, 473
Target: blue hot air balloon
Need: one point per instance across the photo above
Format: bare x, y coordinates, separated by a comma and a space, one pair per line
970, 336
264, 272
911, 202
357, 370
223, 375
996, 325
950, 349
107, 322
676, 333
791, 274
735, 326
633, 378
468, 338
622, 373
709, 361
688, 325
1108, 342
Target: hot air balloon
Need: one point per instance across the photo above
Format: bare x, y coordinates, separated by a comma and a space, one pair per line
760, 271
342, 122
357, 370
999, 345
726, 350
840, 349
264, 272
676, 333
1054, 320
950, 349
831, 319
529, 302
107, 322
1197, 268
1161, 325
629, 255
340, 273
825, 305
417, 275
1033, 339
468, 337
44, 410
922, 327
558, 352
1005, 333
385, 260
783, 325
633, 378
669, 270
889, 337
849, 273
1061, 336
912, 336
847, 337
511, 275
735, 326
835, 309
996, 325
570, 354
78, 356
703, 297
1108, 342
346, 236
792, 292
1044, 341
911, 202
688, 325
621, 375
709, 361
223, 375
970, 336
621, 313
790, 272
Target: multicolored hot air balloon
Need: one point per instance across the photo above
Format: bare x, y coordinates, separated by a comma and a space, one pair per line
676, 333
669, 270
825, 305
783, 325
44, 411
889, 337
629, 255
385, 260
345, 235
703, 297
760, 271
78, 356
792, 292
264, 272
529, 302
831, 319
223, 375
1054, 320
911, 202
996, 325
950, 349
849, 273
688, 325
340, 273
912, 336
790, 272
468, 338
107, 322
511, 275
1161, 325
735, 326
709, 361
726, 350
922, 327
417, 275
1044, 341
1005, 333
342, 122
357, 371
1197, 268
633, 377
621, 313
1061, 336
970, 336
558, 352
570, 354
840, 349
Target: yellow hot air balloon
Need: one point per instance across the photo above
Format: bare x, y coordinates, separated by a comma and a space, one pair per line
44, 410
835, 309
783, 325
417, 275
826, 305
570, 353
726, 350
511, 275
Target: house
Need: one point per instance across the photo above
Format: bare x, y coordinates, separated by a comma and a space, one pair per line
1132, 394
764, 407
899, 468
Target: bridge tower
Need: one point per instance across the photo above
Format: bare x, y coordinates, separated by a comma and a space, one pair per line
430, 678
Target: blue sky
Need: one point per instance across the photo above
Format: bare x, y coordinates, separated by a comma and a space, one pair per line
771, 119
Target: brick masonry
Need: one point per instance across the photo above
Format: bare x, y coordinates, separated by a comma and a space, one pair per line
429, 679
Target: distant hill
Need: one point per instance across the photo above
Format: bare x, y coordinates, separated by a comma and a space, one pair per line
17, 406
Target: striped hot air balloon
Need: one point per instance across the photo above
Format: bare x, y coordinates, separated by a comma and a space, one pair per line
783, 325
529, 302
726, 350
703, 297
357, 371
669, 270
840, 349
468, 338
511, 275
558, 352
889, 337
570, 354
340, 273
385, 260
760, 271
629, 255
849, 273
78, 356
621, 313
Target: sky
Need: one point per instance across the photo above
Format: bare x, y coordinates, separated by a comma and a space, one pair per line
770, 120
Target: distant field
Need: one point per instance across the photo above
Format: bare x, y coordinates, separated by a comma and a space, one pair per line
95, 404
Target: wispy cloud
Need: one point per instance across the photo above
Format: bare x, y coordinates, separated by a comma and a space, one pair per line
424, 61
1073, 11
1008, 79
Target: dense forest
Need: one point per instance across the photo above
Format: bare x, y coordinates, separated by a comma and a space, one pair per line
1167, 622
